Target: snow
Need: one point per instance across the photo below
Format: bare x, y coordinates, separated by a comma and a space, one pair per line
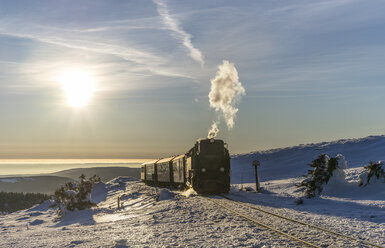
291, 162
337, 184
36, 222
99, 193
189, 193
153, 217
9, 180
15, 179
165, 194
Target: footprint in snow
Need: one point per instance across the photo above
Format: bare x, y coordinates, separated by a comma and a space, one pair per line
122, 243
76, 242
23, 218
36, 222
35, 213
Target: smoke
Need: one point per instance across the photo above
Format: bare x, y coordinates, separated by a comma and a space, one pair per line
213, 132
226, 91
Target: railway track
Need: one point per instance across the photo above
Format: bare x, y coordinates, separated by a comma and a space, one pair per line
299, 231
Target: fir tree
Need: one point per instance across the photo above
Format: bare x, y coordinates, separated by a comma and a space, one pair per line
374, 170
319, 176
11, 202
75, 196
332, 165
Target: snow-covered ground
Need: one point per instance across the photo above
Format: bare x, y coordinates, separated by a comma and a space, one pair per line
185, 219
141, 222
290, 162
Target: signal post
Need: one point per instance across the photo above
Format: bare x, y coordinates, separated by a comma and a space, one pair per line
256, 164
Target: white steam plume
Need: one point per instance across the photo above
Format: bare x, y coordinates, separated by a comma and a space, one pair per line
213, 132
174, 26
226, 91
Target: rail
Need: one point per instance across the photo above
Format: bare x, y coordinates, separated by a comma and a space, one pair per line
288, 219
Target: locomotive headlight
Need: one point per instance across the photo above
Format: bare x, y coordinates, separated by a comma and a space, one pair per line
222, 169
203, 170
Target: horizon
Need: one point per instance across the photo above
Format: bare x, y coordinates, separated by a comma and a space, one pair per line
34, 167
120, 160
146, 79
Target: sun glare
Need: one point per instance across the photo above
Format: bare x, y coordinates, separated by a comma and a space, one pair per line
78, 87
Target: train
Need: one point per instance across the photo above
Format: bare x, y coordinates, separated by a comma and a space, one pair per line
204, 168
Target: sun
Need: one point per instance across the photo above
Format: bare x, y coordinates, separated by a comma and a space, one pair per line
78, 87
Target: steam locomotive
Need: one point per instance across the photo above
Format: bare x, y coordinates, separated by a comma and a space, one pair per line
205, 168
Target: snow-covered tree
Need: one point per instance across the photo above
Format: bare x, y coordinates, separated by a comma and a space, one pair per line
374, 173
73, 196
324, 168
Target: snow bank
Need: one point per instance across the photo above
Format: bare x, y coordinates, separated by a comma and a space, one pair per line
338, 177
122, 179
119, 183
83, 217
42, 207
373, 180
375, 186
164, 194
189, 193
374, 174
99, 193
338, 186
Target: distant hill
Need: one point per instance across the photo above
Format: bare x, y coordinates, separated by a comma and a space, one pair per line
48, 183
32, 184
292, 162
105, 173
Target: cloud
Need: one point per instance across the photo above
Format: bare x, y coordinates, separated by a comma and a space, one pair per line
126, 53
142, 60
174, 26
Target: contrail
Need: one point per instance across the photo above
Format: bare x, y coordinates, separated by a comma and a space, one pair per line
144, 60
174, 26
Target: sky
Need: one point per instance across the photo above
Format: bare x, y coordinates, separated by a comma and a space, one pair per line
312, 71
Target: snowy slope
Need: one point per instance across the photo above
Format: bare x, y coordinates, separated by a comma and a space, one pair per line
141, 222
187, 220
292, 161
176, 220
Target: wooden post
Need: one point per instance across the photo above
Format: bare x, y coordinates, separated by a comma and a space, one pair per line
256, 164
118, 202
241, 182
